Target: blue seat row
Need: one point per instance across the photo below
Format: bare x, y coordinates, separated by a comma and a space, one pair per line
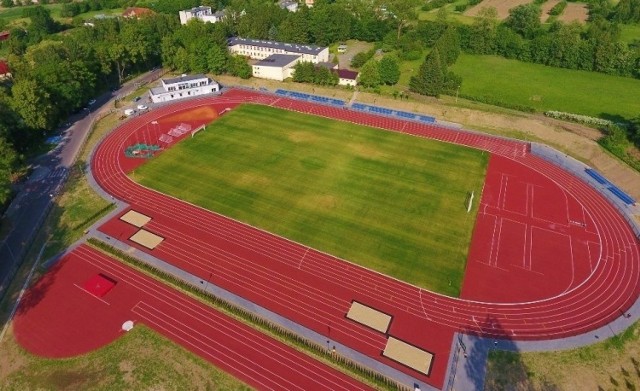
622, 195
314, 98
404, 114
597, 176
427, 119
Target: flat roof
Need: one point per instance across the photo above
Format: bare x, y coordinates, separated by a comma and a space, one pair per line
290, 47
182, 79
277, 60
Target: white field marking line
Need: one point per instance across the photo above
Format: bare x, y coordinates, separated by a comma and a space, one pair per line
493, 239
573, 268
533, 216
173, 298
291, 359
302, 259
148, 318
89, 293
502, 219
527, 230
590, 257
497, 243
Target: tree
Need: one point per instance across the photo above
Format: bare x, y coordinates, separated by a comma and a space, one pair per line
403, 11
482, 33
370, 74
304, 72
33, 104
430, 79
7, 3
294, 28
239, 67
449, 46
217, 59
524, 20
8, 158
389, 70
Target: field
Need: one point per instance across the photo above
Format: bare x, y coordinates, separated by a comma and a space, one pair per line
609, 365
388, 201
502, 6
574, 12
547, 88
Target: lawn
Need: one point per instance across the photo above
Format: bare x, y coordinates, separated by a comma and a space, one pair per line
548, 88
388, 201
629, 33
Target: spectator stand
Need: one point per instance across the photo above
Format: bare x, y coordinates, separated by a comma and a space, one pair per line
310, 98
405, 115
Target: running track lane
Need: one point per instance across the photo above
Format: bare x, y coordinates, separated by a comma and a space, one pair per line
60, 319
611, 287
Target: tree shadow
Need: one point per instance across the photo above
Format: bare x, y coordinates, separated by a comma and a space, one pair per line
492, 360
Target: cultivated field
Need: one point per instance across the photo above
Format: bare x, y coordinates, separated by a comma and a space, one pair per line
502, 6
388, 201
548, 88
574, 12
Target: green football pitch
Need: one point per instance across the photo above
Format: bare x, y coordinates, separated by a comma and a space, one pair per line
387, 201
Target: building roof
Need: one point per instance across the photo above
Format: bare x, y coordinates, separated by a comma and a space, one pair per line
290, 47
131, 12
277, 60
4, 67
184, 78
346, 74
201, 8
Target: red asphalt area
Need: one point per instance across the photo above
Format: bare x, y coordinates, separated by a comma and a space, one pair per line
520, 214
529, 233
60, 318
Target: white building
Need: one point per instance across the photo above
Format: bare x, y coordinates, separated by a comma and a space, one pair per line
259, 50
289, 5
203, 13
346, 77
183, 87
276, 67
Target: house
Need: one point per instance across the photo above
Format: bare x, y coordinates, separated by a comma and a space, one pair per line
203, 13
4, 69
184, 86
259, 50
276, 67
289, 5
136, 12
4, 35
346, 77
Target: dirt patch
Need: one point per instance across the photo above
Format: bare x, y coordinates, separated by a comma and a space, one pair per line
353, 48
301, 137
252, 179
365, 151
322, 201
574, 12
546, 7
502, 6
11, 359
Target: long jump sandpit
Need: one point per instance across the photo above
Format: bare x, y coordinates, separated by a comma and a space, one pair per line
146, 239
135, 218
369, 317
408, 355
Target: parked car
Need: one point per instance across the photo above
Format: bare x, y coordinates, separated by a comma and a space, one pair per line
129, 112
142, 107
92, 101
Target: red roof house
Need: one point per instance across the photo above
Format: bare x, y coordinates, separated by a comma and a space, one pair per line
4, 69
136, 12
4, 35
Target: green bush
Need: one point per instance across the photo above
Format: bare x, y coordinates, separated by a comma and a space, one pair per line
497, 102
558, 8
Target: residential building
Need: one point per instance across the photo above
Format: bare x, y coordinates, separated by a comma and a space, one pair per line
183, 87
203, 13
259, 50
4, 69
276, 67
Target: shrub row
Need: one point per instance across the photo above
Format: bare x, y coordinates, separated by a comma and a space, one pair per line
433, 4
250, 318
558, 8
581, 119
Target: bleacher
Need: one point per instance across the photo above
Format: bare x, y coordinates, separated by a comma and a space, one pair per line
610, 186
311, 98
393, 113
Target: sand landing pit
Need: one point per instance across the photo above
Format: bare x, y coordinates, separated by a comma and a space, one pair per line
408, 355
146, 239
135, 218
369, 317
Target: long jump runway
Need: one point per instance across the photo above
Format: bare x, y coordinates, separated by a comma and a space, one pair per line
317, 290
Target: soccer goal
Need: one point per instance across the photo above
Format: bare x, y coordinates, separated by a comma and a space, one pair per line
196, 130
470, 204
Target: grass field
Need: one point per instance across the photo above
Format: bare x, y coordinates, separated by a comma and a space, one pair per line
140, 360
384, 200
547, 88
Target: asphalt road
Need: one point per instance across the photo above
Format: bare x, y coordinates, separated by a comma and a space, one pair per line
36, 196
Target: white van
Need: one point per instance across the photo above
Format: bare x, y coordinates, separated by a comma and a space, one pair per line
129, 112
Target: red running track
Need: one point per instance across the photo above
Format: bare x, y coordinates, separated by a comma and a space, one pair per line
315, 289
58, 318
